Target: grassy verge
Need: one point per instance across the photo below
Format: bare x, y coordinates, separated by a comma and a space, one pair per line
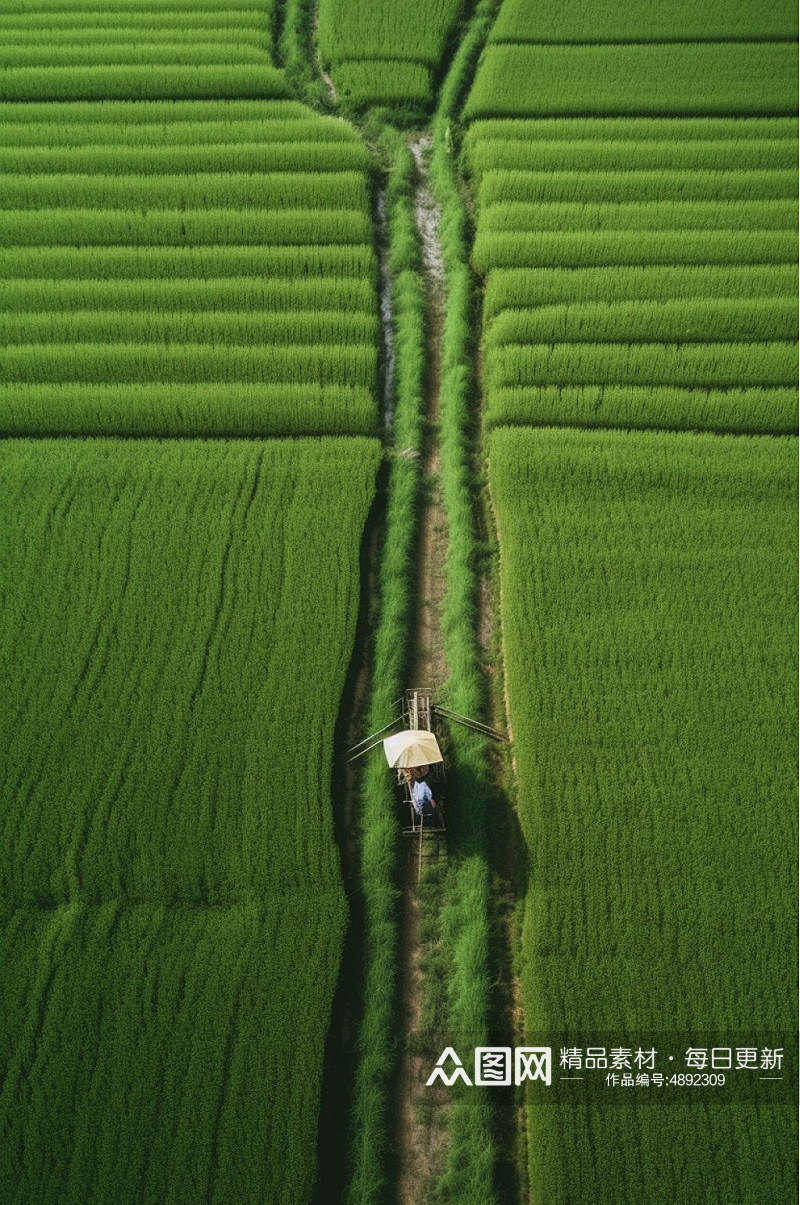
377, 1047
470, 1173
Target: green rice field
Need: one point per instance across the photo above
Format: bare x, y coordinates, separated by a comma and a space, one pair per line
347, 347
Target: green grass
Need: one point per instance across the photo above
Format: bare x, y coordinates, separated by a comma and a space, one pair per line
691, 79
170, 895
649, 660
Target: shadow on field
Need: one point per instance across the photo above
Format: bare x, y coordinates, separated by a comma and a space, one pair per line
333, 1133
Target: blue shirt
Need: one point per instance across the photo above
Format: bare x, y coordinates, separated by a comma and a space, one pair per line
422, 796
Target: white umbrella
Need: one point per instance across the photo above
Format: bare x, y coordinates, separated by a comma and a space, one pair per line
415, 747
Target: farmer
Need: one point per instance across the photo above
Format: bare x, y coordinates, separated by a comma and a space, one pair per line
422, 798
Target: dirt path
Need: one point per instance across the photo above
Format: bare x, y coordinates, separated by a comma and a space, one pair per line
421, 1130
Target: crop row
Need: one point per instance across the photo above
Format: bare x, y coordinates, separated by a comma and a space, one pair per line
186, 263
142, 27
166, 112
245, 326
621, 186
204, 409
182, 227
256, 156
585, 248
701, 365
619, 129
131, 362
606, 154
509, 288
235, 80
144, 134
590, 216
658, 407
257, 189
349, 295
681, 20
117, 52
684, 320
692, 79
176, 19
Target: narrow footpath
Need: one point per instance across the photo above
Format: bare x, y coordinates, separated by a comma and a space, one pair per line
420, 1137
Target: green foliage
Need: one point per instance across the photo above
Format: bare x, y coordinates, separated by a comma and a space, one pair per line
650, 674
616, 291
607, 21
247, 326
690, 78
185, 741
384, 31
170, 895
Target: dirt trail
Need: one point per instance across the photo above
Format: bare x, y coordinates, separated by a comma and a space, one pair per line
421, 1131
